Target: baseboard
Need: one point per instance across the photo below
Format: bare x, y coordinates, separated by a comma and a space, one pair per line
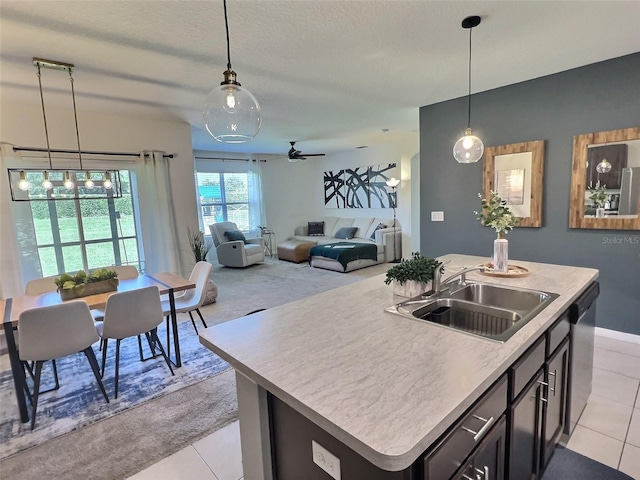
614, 334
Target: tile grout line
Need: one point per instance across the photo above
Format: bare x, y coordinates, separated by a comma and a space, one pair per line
617, 373
204, 461
628, 428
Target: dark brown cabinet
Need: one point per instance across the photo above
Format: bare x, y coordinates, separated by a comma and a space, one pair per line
526, 430
487, 463
556, 395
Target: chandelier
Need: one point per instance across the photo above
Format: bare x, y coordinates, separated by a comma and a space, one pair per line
28, 184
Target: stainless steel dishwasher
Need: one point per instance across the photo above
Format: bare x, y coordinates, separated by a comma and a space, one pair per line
582, 314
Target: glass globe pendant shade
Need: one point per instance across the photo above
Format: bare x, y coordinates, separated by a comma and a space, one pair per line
468, 149
604, 166
232, 114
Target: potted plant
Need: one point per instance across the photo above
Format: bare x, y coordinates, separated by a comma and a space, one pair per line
598, 196
496, 214
82, 284
199, 246
413, 276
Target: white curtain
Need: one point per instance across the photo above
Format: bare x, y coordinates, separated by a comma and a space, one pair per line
11, 273
257, 216
156, 214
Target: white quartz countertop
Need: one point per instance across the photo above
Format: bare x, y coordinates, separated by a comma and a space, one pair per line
384, 385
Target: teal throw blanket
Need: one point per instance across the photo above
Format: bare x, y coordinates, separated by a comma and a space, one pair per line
345, 252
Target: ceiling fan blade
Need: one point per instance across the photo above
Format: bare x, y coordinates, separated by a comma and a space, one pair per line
315, 154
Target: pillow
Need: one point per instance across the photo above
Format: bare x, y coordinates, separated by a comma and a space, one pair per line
316, 229
379, 227
233, 235
347, 233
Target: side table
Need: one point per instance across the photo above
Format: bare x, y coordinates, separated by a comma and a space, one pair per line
269, 241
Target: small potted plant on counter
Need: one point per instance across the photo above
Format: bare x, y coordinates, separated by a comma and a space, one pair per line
413, 276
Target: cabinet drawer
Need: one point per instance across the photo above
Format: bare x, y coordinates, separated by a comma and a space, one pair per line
557, 334
527, 366
466, 434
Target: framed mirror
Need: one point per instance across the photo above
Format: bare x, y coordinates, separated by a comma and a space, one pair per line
605, 180
516, 171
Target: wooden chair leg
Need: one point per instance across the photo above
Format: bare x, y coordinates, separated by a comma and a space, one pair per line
91, 356
201, 318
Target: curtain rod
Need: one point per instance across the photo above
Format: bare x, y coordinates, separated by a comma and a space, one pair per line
86, 152
229, 159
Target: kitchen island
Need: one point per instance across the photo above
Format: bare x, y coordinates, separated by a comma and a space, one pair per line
387, 387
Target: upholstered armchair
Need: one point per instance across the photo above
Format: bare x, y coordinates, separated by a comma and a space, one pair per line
232, 248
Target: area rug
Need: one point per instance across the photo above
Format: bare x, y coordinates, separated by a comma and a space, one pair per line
79, 402
124, 444
125, 441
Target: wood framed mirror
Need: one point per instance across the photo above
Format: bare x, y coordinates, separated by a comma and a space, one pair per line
610, 160
516, 171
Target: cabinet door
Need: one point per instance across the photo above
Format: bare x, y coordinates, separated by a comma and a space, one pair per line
556, 394
487, 463
526, 431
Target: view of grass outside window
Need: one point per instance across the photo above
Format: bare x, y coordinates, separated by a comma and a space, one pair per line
224, 197
83, 234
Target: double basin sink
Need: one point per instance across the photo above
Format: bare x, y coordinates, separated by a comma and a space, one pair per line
482, 309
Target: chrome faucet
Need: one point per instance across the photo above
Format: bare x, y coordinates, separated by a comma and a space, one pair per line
438, 283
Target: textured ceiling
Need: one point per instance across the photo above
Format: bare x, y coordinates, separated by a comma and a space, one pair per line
329, 74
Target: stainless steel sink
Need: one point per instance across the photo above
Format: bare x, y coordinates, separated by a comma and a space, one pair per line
509, 298
481, 309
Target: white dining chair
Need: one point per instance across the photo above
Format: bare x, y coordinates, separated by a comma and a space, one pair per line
125, 272
38, 286
52, 332
192, 299
130, 314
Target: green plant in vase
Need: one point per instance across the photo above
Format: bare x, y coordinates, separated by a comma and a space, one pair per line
598, 196
496, 214
72, 286
199, 246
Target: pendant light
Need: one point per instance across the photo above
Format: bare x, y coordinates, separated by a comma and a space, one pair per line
231, 113
55, 184
604, 166
469, 148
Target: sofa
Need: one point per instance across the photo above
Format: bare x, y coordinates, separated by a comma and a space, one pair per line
370, 230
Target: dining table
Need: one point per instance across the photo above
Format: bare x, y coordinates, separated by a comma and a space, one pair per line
11, 308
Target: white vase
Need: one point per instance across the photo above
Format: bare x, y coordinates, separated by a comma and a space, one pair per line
410, 288
500, 255
599, 212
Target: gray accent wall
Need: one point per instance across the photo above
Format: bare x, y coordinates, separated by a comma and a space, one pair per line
597, 97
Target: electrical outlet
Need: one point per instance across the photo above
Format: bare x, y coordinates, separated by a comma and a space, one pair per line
326, 460
437, 216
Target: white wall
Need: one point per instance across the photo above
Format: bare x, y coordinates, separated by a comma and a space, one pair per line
22, 125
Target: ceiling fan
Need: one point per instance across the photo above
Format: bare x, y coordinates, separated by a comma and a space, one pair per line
295, 155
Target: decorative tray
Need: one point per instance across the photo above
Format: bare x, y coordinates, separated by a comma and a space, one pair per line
514, 271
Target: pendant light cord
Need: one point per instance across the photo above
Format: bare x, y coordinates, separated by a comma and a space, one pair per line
226, 25
469, 96
75, 116
44, 116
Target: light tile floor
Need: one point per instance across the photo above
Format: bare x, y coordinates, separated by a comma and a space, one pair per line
608, 431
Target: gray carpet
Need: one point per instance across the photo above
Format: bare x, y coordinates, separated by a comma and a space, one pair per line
125, 443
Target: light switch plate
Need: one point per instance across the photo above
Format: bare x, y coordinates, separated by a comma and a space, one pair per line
326, 460
437, 216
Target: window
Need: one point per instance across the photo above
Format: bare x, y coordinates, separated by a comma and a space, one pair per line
83, 234
224, 197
